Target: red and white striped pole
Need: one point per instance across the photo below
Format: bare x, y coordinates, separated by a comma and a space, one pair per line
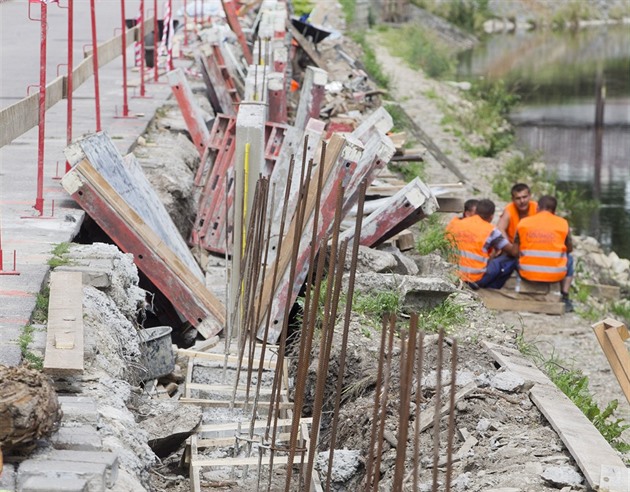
156, 34
39, 200
169, 56
97, 92
70, 69
185, 23
142, 87
125, 112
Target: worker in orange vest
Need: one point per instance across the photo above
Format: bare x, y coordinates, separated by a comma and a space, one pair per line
476, 239
520, 207
470, 209
544, 243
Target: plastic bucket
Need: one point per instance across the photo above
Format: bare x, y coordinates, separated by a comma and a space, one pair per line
157, 352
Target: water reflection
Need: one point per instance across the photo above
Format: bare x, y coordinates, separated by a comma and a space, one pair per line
556, 75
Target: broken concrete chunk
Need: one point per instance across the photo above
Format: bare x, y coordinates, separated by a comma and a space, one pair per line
562, 476
508, 381
170, 425
346, 463
372, 260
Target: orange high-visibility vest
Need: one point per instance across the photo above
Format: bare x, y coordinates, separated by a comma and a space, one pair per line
543, 252
512, 212
470, 236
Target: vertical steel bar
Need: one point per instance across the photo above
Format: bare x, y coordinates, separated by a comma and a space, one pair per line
383, 412
328, 331
416, 437
377, 401
438, 403
97, 89
125, 112
406, 377
39, 200
156, 34
346, 329
451, 417
142, 60
70, 73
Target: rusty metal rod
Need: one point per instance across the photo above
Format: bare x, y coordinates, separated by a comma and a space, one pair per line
377, 402
305, 179
346, 327
328, 331
383, 412
406, 377
451, 417
416, 437
436, 420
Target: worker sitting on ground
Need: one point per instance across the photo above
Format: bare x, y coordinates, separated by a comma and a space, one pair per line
520, 207
476, 239
544, 241
470, 209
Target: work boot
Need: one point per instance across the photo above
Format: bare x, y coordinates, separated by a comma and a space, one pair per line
568, 305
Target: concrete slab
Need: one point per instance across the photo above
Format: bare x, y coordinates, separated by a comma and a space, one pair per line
81, 438
55, 471
45, 484
79, 409
110, 460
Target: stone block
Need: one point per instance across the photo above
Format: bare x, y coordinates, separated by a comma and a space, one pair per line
96, 275
81, 438
79, 409
45, 484
56, 471
7, 477
110, 460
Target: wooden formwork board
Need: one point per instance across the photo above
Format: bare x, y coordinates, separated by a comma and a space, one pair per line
117, 195
502, 300
611, 335
593, 454
64, 340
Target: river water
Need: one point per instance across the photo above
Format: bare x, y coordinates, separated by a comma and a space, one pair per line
556, 75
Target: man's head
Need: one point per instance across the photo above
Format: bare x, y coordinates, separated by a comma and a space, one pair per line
547, 203
521, 196
470, 207
485, 209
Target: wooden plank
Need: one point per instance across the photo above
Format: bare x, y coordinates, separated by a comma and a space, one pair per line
197, 460
232, 359
502, 301
194, 469
614, 479
64, 341
231, 440
220, 388
126, 206
611, 334
450, 204
259, 424
514, 361
306, 46
608, 292
587, 446
228, 403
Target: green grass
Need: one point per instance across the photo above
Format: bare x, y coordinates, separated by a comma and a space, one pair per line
621, 309
349, 9
574, 384
376, 304
370, 63
409, 170
492, 102
26, 338
433, 238
40, 313
301, 7
468, 15
447, 316
570, 14
420, 50
58, 252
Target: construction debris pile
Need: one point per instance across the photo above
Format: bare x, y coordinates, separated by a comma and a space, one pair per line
243, 212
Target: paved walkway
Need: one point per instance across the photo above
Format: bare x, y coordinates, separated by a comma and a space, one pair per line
21, 230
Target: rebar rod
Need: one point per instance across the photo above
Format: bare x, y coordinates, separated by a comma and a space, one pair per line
451, 417
328, 331
303, 365
416, 437
377, 403
406, 377
436, 419
305, 179
346, 327
383, 412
